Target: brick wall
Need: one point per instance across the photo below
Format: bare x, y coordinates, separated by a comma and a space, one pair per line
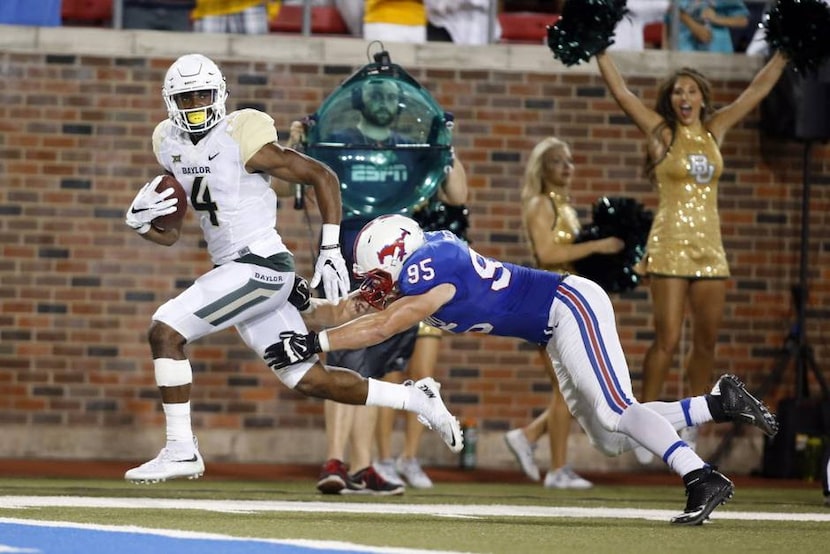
77, 288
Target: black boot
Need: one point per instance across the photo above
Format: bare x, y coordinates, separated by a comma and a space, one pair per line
706, 489
730, 401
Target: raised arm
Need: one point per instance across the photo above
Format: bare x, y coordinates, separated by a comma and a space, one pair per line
453, 190
645, 118
760, 86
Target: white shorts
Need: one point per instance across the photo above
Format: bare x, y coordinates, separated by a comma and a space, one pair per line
252, 297
589, 361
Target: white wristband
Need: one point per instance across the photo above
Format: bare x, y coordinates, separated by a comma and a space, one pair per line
331, 234
323, 338
143, 229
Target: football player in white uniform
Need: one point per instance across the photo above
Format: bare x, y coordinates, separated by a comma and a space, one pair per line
225, 164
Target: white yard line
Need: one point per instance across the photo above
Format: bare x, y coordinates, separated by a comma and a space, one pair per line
439, 510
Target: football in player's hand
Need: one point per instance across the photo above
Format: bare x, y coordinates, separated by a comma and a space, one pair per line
175, 219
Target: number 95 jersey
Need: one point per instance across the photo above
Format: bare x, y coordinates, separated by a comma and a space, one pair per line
237, 210
490, 297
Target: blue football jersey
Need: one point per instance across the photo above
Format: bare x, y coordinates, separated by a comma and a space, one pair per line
492, 297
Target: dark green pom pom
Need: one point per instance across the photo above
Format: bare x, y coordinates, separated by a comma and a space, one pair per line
800, 29
585, 28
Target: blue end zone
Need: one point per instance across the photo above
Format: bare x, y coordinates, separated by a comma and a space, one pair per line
22, 538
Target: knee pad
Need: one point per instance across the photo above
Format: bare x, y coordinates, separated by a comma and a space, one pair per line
602, 431
172, 373
610, 444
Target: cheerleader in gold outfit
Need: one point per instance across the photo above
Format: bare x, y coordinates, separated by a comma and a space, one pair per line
552, 225
685, 259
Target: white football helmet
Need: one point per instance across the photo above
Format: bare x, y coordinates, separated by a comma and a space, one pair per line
190, 73
380, 251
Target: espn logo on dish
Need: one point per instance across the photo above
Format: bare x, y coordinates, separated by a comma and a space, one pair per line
364, 173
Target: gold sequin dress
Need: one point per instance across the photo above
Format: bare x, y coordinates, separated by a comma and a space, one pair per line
685, 238
565, 229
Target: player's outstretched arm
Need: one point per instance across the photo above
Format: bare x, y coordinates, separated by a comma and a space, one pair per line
322, 313
319, 313
362, 332
399, 316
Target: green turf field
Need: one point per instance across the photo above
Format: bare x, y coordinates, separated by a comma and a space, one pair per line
466, 517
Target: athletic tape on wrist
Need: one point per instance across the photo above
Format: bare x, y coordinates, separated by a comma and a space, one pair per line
331, 235
172, 373
323, 339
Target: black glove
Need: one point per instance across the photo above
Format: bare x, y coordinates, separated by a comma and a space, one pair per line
292, 348
300, 296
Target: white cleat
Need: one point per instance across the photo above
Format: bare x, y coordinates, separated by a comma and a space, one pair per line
167, 465
566, 478
386, 468
410, 469
436, 416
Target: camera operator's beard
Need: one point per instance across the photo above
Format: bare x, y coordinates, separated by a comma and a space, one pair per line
379, 118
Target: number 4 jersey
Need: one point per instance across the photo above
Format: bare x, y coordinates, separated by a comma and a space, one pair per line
490, 297
237, 210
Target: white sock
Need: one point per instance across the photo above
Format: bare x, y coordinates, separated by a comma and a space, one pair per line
688, 412
699, 411
657, 435
388, 395
683, 460
179, 431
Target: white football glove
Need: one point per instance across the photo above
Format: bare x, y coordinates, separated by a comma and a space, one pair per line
331, 270
148, 205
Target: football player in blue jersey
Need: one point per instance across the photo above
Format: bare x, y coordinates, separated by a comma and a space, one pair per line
409, 276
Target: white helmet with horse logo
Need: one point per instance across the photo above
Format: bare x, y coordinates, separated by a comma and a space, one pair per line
380, 251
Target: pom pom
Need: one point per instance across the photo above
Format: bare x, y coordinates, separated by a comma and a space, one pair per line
437, 216
626, 219
799, 28
585, 29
